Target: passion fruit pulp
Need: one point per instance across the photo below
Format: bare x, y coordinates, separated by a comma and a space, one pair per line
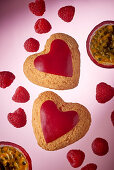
13, 156
100, 44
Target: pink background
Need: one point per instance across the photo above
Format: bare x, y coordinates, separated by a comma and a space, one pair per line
17, 25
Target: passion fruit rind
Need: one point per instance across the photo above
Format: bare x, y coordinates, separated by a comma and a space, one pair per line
104, 23
20, 149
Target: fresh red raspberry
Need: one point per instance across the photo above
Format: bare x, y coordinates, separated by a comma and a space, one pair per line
37, 7
18, 118
21, 95
6, 78
76, 157
42, 26
100, 146
112, 117
90, 166
31, 45
104, 92
66, 13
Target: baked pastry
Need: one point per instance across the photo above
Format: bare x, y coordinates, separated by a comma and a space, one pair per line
57, 124
58, 66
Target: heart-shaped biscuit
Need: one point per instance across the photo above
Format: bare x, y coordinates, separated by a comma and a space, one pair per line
58, 66
57, 124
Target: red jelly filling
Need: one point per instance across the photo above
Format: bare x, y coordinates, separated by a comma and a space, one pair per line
58, 61
54, 122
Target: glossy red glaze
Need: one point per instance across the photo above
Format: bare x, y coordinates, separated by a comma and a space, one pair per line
89, 40
58, 61
4, 143
54, 122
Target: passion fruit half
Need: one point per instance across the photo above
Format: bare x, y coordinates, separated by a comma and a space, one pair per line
100, 44
13, 156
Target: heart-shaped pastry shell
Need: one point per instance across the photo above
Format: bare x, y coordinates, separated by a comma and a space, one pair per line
70, 137
50, 80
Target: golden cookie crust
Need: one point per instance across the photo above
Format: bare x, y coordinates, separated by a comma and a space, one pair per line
70, 137
50, 80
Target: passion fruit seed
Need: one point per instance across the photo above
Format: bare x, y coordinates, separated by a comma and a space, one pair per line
6, 158
24, 163
20, 155
2, 150
99, 59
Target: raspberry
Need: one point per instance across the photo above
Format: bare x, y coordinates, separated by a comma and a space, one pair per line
37, 7
100, 146
31, 45
90, 166
75, 157
42, 26
6, 78
112, 117
21, 95
66, 13
18, 118
104, 92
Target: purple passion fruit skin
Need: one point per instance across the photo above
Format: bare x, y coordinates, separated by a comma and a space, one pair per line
13, 156
100, 44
